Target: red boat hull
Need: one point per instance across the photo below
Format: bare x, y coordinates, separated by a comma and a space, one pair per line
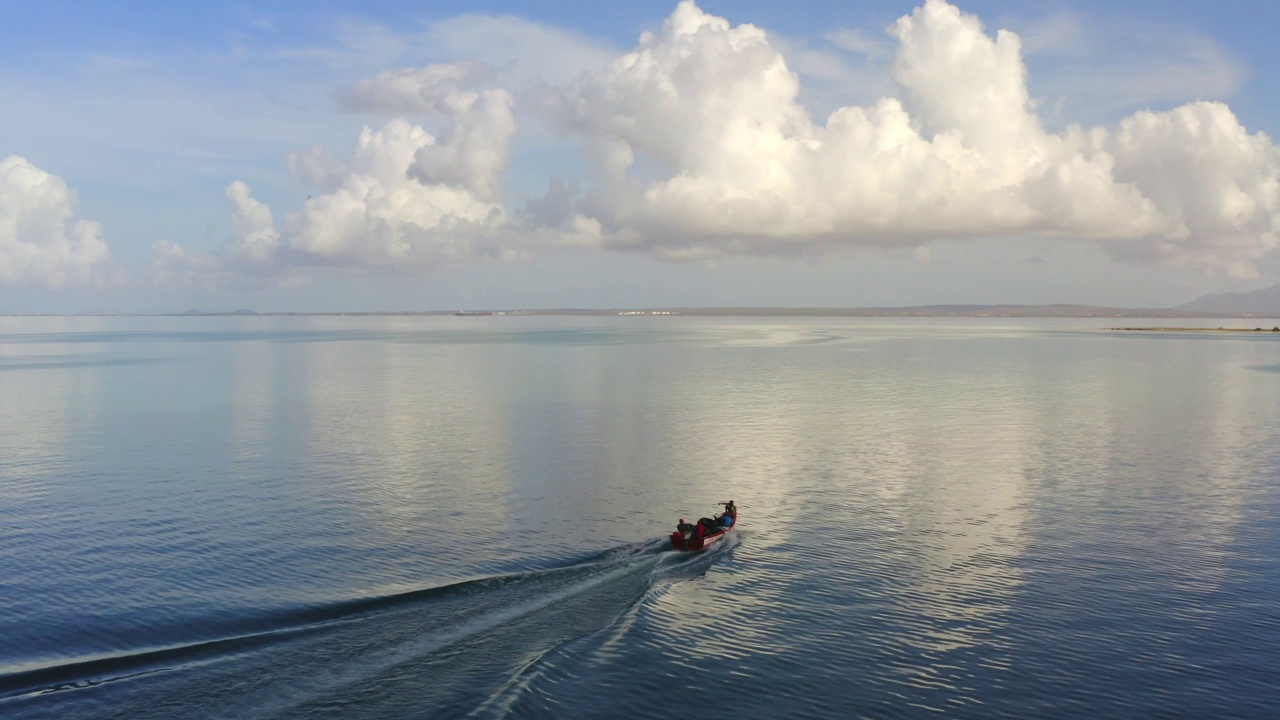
696, 544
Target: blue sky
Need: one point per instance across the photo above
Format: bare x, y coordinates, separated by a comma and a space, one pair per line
730, 189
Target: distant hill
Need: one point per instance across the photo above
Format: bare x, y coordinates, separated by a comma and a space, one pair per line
1265, 302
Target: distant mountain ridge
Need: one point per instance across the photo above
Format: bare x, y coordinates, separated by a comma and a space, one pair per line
1265, 301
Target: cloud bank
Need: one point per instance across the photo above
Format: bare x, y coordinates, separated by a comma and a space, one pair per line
39, 242
700, 148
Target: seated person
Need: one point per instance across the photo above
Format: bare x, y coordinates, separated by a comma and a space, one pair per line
685, 529
685, 532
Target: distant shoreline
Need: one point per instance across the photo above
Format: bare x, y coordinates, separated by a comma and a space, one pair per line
921, 311
1274, 329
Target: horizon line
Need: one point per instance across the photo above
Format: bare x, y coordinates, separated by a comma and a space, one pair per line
937, 310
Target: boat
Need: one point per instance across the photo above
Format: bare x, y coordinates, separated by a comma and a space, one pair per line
707, 532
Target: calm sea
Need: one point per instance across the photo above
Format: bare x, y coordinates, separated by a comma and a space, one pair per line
443, 517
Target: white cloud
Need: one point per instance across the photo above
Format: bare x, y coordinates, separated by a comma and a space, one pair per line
404, 200
39, 242
390, 210
254, 251
473, 151
410, 91
701, 148
254, 228
316, 167
1218, 185
521, 55
703, 143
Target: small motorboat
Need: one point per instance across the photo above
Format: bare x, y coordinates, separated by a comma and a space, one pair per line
690, 537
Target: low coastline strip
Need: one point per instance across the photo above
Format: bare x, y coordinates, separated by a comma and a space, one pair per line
1197, 329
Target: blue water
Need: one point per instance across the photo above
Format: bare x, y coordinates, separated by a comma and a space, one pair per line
438, 517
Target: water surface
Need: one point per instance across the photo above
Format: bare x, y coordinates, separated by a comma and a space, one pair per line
422, 517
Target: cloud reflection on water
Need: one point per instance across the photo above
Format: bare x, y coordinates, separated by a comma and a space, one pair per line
49, 402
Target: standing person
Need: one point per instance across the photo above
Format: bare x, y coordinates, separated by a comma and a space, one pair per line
727, 518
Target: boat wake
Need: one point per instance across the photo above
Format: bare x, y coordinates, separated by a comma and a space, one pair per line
465, 640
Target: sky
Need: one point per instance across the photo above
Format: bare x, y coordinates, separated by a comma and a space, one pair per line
331, 156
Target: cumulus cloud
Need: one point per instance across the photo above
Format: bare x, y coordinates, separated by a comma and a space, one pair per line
700, 148
316, 167
401, 203
403, 200
1216, 185
253, 252
473, 151
256, 239
39, 242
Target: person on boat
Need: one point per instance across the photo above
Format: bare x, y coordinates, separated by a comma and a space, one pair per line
729, 516
686, 531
